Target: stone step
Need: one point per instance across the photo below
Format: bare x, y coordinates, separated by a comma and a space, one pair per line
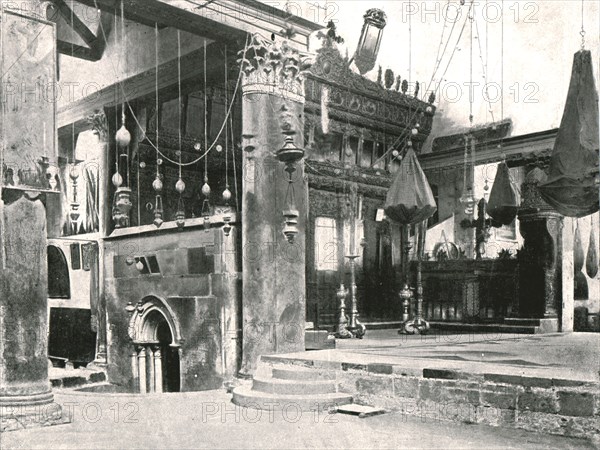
483, 327
293, 387
296, 373
522, 322
65, 378
249, 398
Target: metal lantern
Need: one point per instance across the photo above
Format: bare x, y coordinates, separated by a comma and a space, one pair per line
157, 185
121, 207
290, 230
226, 222
180, 219
289, 153
370, 40
158, 212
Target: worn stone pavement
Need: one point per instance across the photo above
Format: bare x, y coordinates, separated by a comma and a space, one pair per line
208, 420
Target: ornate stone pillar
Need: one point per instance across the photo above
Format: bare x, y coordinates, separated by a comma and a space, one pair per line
99, 123
150, 357
142, 369
158, 375
540, 258
273, 297
135, 372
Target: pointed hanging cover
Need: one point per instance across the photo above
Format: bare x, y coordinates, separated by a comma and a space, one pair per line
504, 201
591, 261
570, 187
410, 199
577, 251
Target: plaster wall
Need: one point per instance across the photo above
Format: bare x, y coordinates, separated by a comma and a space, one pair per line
122, 59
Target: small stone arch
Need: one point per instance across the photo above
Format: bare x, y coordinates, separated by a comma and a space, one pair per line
144, 323
156, 336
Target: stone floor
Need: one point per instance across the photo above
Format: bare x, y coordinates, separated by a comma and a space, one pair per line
208, 420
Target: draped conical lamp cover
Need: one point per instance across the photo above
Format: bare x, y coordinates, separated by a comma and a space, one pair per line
571, 187
591, 261
410, 199
578, 257
504, 201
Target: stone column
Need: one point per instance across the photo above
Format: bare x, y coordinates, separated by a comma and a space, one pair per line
540, 268
135, 372
273, 269
99, 123
27, 145
158, 375
150, 357
142, 369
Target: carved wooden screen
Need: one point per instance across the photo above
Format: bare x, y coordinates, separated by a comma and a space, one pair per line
28, 95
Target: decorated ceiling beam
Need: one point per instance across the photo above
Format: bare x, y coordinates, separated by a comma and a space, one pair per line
517, 150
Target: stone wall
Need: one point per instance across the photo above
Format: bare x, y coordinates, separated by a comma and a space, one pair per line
198, 284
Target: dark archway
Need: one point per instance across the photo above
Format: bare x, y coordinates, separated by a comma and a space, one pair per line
59, 285
170, 358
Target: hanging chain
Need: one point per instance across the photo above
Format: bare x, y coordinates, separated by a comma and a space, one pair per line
205, 118
179, 93
157, 105
582, 32
226, 123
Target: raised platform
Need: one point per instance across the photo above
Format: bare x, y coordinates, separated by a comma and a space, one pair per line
547, 383
69, 378
510, 326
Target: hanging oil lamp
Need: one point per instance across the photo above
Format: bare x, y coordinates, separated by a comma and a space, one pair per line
139, 265
74, 213
290, 230
206, 187
467, 199
157, 185
227, 222
289, 154
122, 206
180, 214
227, 212
206, 214
123, 136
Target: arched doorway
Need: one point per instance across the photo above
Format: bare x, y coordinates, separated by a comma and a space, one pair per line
156, 360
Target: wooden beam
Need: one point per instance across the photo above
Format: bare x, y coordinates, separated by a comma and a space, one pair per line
77, 51
222, 20
75, 22
104, 30
143, 85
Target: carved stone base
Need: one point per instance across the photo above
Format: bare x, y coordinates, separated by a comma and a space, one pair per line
20, 417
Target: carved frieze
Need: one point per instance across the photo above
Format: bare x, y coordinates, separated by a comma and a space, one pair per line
362, 98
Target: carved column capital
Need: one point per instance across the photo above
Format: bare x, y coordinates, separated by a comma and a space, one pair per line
274, 68
99, 123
